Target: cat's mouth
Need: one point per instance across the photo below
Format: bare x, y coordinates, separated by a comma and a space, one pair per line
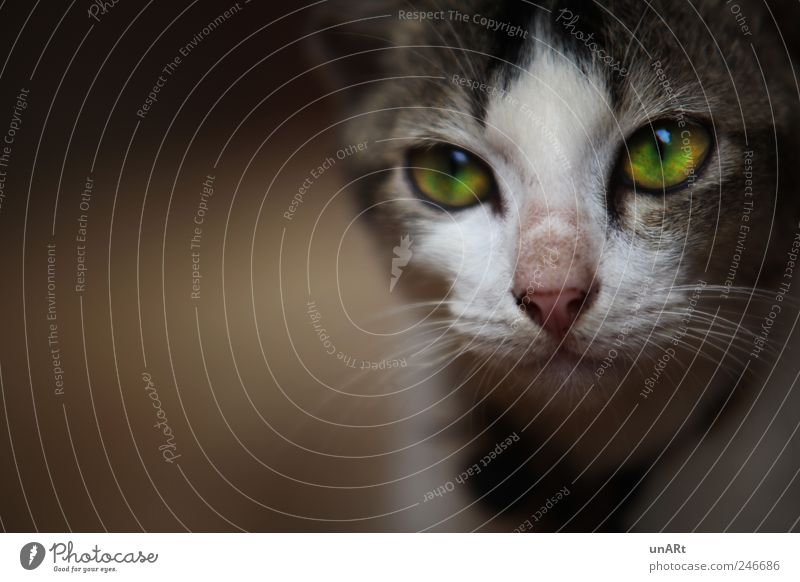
537, 350
563, 367
565, 357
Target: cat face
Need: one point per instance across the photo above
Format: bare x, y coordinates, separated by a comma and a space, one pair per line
582, 180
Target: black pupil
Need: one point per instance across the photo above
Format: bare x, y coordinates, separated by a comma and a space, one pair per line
662, 139
458, 160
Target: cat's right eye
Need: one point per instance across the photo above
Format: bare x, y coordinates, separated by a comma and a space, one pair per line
450, 177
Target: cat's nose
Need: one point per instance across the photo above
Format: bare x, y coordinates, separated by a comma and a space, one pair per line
555, 311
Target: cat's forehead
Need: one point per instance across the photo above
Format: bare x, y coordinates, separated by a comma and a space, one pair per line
583, 80
565, 80
556, 122
637, 58
551, 113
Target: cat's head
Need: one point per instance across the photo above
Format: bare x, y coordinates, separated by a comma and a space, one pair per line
582, 179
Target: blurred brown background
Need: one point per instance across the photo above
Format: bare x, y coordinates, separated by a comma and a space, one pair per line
127, 403
187, 346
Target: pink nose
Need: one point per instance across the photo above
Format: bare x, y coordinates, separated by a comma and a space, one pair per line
554, 311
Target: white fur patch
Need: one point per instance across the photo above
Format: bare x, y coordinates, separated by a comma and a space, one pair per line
551, 143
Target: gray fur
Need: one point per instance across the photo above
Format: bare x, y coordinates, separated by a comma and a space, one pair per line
401, 94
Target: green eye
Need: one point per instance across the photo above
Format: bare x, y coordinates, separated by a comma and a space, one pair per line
665, 154
450, 176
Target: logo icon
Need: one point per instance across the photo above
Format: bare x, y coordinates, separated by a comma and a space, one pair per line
402, 255
31, 555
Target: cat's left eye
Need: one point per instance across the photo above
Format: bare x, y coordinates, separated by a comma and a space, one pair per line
665, 154
450, 176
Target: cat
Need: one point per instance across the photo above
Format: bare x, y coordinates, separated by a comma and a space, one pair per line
603, 219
